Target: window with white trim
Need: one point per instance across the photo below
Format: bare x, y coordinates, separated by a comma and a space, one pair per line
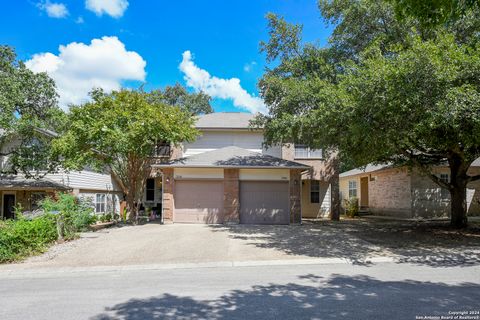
304, 152
150, 190
314, 191
352, 189
100, 202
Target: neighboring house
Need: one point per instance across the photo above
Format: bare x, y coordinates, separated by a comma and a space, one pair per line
403, 192
97, 188
227, 176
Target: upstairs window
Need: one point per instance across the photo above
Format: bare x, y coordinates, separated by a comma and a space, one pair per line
352, 189
100, 202
150, 190
314, 191
162, 149
304, 152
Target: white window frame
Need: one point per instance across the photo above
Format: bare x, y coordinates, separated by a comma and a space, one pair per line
306, 152
99, 203
352, 189
316, 190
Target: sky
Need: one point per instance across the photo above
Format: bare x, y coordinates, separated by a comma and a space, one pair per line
208, 45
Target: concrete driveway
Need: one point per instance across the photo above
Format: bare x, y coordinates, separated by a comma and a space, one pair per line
160, 244
351, 241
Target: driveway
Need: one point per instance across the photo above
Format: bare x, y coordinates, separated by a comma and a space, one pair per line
356, 241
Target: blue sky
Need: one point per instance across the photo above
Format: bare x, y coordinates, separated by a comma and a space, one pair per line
151, 39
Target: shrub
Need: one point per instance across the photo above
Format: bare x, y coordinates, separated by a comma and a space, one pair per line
20, 238
72, 215
351, 207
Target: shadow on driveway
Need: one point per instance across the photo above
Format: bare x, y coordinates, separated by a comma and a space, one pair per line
357, 240
339, 297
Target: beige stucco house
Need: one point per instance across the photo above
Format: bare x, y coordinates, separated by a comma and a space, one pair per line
228, 176
404, 192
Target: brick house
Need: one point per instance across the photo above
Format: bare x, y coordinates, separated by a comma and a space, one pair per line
228, 176
403, 192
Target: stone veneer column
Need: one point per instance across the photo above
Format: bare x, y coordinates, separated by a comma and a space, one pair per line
295, 196
167, 201
231, 196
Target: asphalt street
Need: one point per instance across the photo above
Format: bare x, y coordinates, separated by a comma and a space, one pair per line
323, 291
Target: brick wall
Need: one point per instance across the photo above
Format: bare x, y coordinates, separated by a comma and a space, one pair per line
231, 189
389, 193
319, 169
295, 196
473, 194
429, 200
168, 187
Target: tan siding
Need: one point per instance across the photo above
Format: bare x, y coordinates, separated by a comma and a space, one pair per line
315, 210
212, 140
85, 179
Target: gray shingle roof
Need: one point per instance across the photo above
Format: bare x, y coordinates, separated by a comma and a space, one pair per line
19, 182
369, 168
232, 157
229, 120
372, 168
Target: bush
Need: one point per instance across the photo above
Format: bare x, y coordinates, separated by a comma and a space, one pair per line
72, 215
20, 238
351, 207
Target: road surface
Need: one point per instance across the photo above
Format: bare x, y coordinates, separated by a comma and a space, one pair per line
385, 290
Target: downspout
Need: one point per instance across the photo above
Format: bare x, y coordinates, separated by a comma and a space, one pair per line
163, 185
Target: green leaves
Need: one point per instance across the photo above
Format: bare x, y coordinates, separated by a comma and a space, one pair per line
28, 102
120, 124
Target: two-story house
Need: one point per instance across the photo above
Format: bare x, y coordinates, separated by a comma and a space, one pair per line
227, 176
15, 190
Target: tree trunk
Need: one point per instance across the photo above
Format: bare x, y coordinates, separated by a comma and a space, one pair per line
458, 210
458, 192
131, 208
335, 189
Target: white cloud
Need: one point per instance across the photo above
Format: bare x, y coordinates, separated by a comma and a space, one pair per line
200, 79
114, 8
249, 66
53, 10
79, 20
79, 67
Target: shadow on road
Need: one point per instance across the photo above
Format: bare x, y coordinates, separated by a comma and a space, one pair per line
339, 297
425, 244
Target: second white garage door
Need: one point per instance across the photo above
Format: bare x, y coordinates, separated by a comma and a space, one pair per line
264, 202
198, 201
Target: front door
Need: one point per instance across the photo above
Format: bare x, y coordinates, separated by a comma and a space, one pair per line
364, 192
8, 204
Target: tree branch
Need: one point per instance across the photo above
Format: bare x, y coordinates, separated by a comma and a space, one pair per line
426, 170
473, 178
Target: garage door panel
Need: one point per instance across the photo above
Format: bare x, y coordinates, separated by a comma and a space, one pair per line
198, 201
264, 202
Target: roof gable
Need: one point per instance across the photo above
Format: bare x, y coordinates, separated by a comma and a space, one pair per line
233, 157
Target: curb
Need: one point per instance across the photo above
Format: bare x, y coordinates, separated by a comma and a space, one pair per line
13, 273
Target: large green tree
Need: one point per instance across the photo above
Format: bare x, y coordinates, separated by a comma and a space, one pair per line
28, 110
384, 90
177, 95
119, 132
